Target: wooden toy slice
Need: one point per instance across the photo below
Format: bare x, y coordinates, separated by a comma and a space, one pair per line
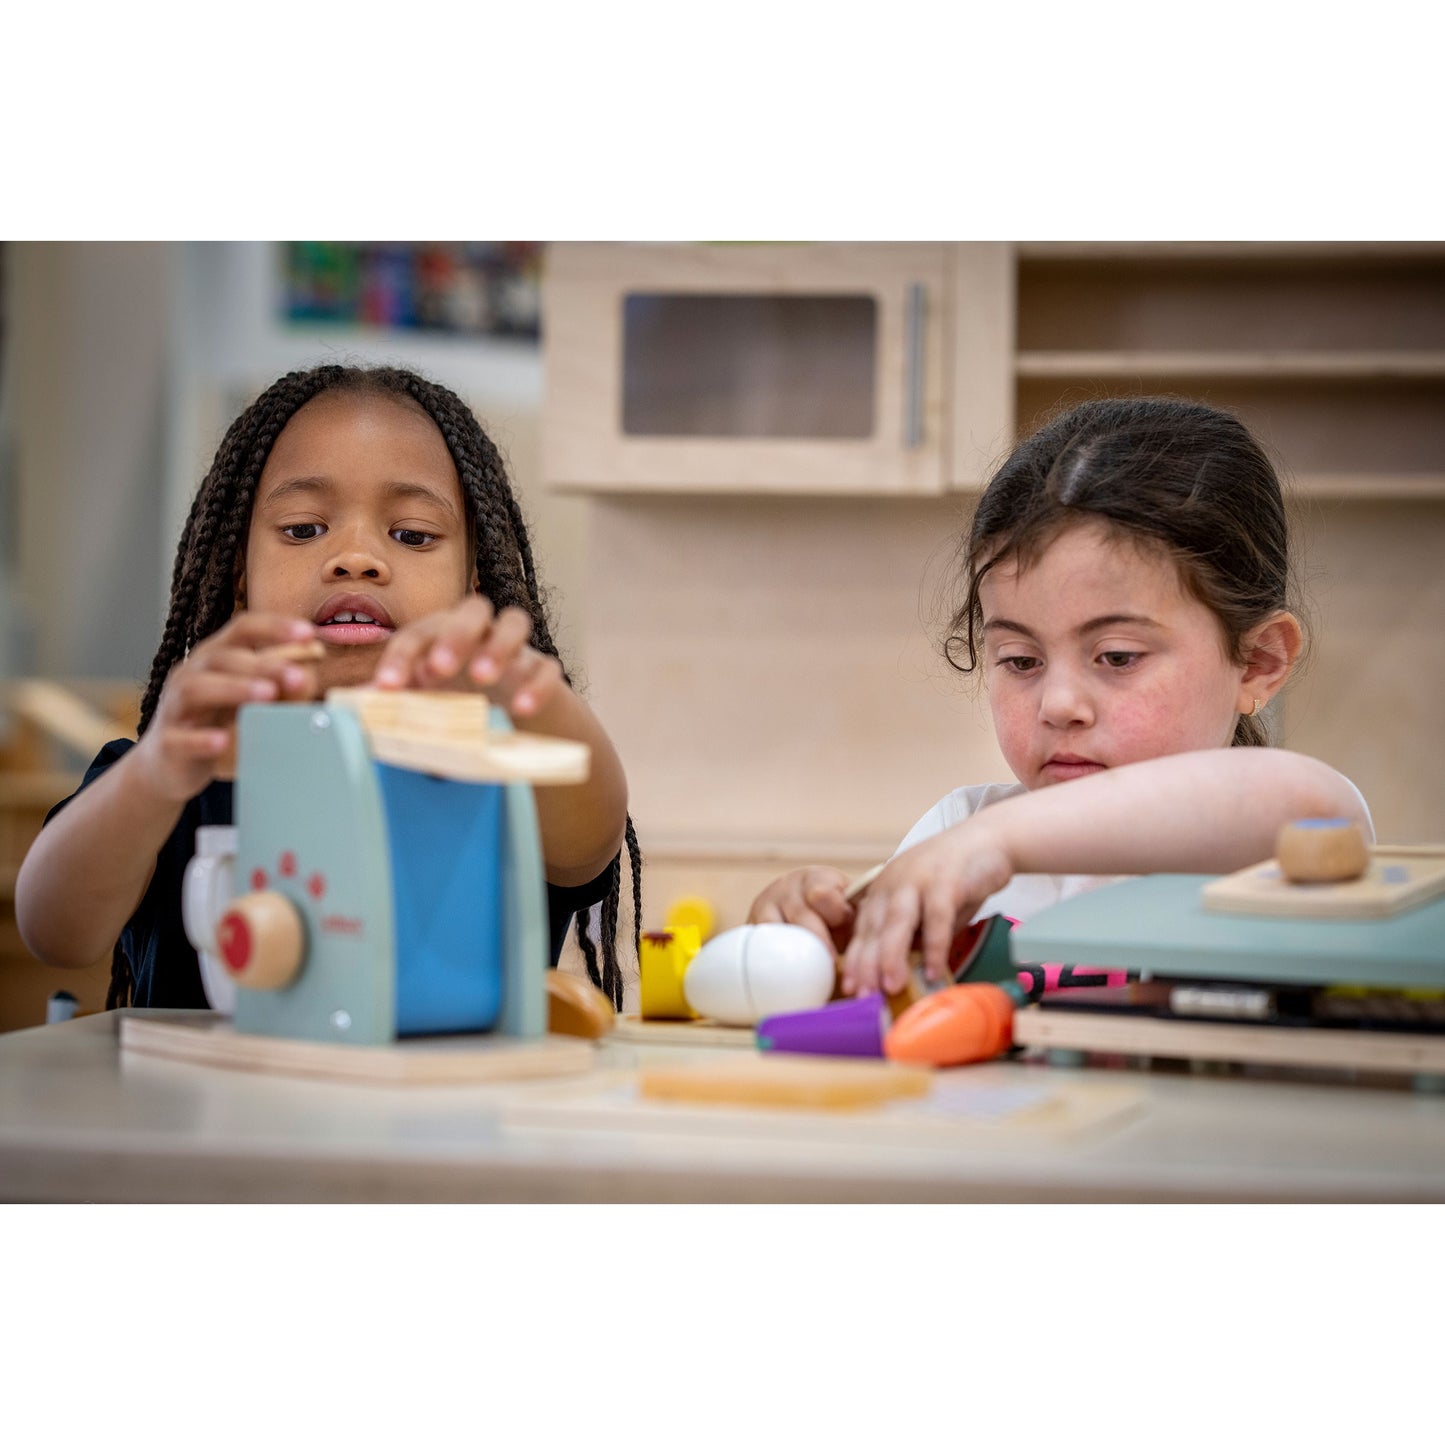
1397, 878
449, 735
787, 1083
576, 1006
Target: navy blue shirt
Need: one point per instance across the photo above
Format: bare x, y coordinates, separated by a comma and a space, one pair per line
162, 961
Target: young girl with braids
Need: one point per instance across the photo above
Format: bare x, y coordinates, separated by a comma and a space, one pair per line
366, 509
1126, 575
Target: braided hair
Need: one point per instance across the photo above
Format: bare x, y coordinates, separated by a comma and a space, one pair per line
212, 549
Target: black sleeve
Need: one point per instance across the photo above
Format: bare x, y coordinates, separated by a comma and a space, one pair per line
162, 962
563, 904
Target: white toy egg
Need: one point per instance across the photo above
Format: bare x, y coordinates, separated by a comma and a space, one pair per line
748, 973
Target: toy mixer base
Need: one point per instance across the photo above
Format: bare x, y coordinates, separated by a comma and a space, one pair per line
209, 1039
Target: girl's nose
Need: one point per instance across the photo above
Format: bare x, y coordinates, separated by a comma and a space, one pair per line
357, 557
1065, 701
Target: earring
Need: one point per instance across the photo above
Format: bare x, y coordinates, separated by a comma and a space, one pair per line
1257, 705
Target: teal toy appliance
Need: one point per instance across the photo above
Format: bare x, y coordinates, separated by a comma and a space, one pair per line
1258, 926
388, 871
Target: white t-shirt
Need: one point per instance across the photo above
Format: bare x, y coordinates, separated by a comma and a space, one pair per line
1026, 893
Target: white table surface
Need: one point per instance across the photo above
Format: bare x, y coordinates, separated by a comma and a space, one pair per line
81, 1120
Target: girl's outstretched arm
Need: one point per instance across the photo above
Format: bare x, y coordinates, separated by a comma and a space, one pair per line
89, 869
1214, 811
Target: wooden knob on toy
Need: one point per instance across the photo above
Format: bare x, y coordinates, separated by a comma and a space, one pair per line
1321, 850
262, 940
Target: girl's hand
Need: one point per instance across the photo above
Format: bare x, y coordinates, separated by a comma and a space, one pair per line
811, 897
474, 645
255, 657
934, 888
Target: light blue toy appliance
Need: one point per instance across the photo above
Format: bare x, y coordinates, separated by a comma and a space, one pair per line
398, 874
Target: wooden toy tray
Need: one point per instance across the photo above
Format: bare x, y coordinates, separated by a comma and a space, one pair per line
460, 1059
1398, 878
689, 1033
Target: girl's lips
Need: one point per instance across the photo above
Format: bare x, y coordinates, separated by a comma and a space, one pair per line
353, 634
1062, 769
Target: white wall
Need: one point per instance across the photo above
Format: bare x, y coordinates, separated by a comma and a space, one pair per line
125, 363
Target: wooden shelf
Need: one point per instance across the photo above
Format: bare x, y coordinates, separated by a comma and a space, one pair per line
1372, 487
1268, 366
1229, 250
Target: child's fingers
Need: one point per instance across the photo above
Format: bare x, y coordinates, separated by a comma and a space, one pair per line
184, 744
255, 630
530, 681
204, 691
877, 957
895, 936
454, 636
403, 658
827, 901
940, 918
503, 646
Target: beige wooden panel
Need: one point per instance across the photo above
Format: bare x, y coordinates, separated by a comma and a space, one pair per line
981, 313
584, 447
768, 670
1371, 698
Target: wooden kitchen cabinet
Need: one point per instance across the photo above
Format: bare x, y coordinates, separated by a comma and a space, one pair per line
807, 368
911, 370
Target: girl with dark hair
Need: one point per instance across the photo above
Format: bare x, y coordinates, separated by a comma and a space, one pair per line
366, 509
1127, 605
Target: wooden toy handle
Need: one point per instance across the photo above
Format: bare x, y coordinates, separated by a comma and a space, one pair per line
261, 940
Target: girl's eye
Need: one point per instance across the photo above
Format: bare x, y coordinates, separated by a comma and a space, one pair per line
1019, 664
410, 537
1118, 660
303, 531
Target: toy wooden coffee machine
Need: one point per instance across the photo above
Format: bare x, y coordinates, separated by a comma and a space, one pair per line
388, 869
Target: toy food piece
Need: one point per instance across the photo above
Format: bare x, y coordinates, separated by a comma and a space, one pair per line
961, 1024
663, 959
747, 973
787, 1083
1321, 850
261, 940
576, 1006
853, 1026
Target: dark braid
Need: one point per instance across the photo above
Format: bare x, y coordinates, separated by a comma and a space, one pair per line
212, 550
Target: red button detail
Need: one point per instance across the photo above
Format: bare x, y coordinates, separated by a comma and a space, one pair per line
316, 885
235, 939
288, 864
258, 879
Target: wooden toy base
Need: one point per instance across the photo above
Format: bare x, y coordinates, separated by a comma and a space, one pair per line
691, 1033
460, 1059
1310, 1048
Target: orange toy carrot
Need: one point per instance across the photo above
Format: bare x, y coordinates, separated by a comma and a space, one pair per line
958, 1025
